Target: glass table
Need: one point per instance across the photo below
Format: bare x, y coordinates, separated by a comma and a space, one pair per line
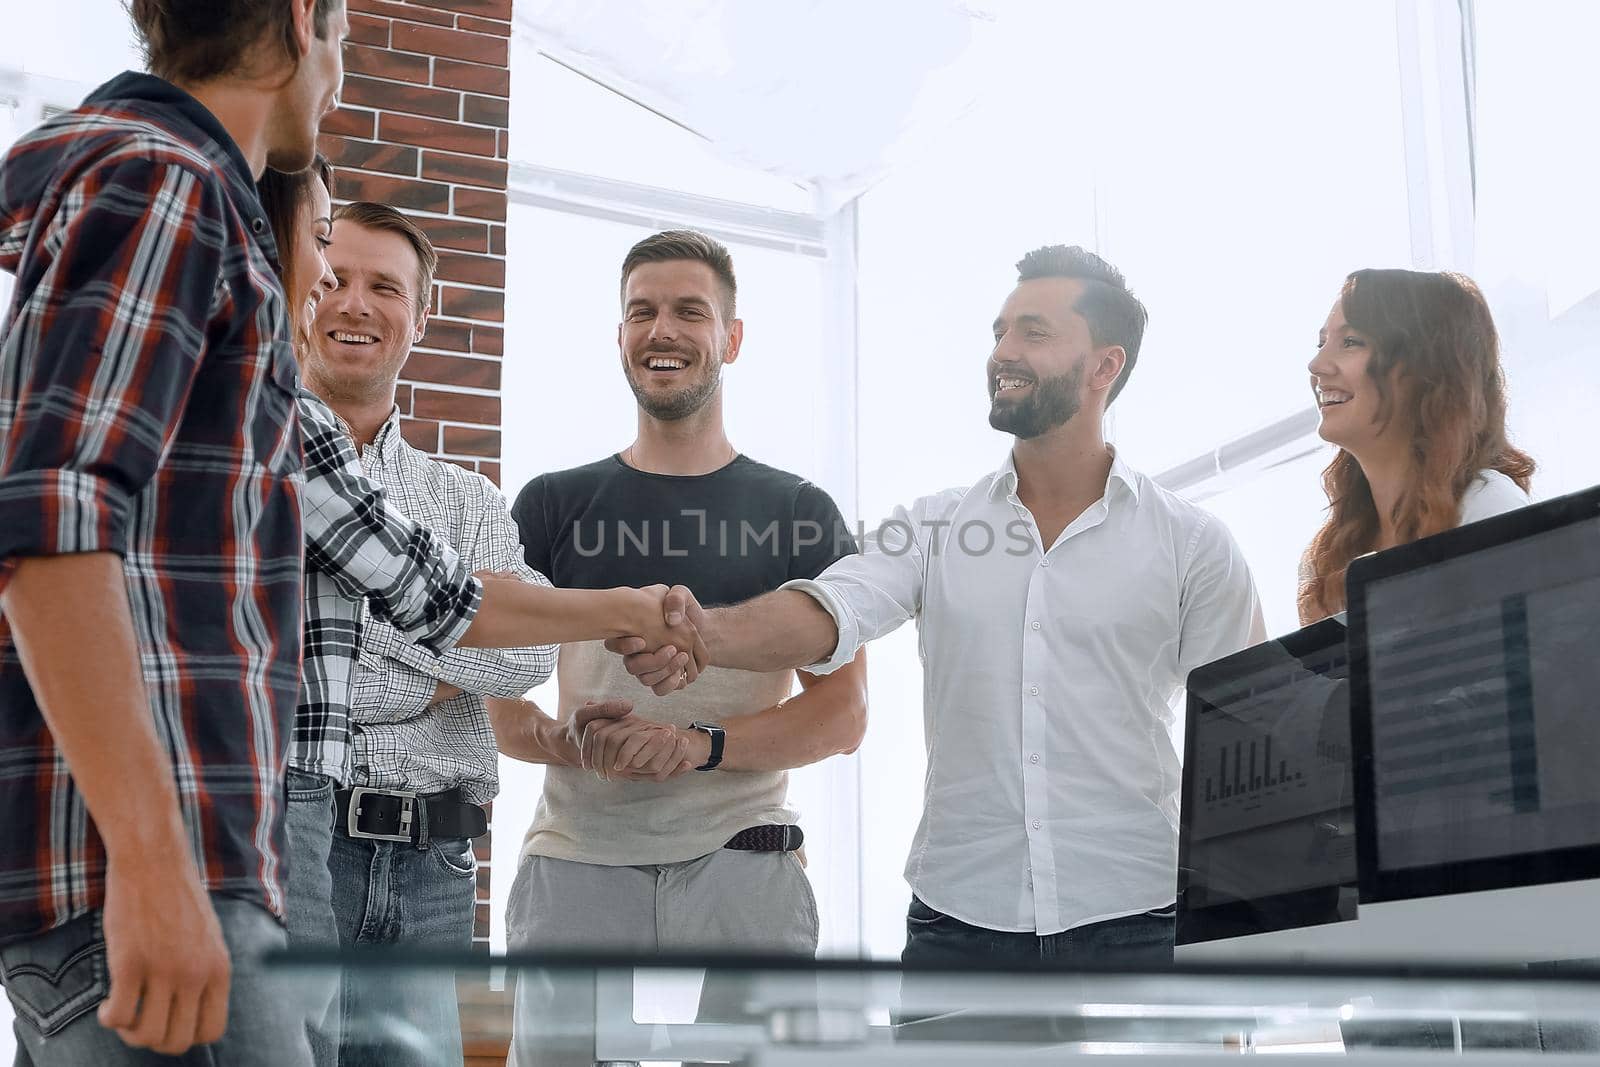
794, 1013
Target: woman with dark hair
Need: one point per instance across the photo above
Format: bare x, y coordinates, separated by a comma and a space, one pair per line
1408, 381
299, 208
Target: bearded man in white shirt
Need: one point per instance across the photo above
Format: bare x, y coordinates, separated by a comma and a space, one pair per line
1061, 602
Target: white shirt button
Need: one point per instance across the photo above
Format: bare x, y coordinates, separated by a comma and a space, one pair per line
1035, 626
1033, 690
1034, 758
1037, 824
1045, 562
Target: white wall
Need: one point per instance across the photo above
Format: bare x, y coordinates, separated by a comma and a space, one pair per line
85, 41
1538, 225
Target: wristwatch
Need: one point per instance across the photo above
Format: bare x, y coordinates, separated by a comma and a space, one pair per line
718, 735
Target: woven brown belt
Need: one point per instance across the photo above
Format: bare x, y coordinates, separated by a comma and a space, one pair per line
771, 838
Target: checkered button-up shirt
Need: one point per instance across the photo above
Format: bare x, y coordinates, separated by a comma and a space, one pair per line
362, 552
147, 409
402, 739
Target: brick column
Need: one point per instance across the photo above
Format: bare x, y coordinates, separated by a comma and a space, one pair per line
423, 126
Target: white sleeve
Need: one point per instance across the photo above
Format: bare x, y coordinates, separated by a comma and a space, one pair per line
1491, 493
1221, 613
872, 593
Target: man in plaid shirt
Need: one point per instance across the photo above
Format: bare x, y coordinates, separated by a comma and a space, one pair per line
149, 475
419, 725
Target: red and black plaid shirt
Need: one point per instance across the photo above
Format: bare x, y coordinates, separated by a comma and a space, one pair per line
147, 408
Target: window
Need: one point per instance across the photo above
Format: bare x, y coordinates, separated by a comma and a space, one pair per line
1235, 184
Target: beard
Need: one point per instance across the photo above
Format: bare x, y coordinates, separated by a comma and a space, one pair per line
1053, 402
681, 402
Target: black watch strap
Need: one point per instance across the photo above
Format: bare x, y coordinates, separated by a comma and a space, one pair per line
718, 737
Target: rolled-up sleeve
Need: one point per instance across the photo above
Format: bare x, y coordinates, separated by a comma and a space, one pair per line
502, 672
872, 593
100, 356
409, 577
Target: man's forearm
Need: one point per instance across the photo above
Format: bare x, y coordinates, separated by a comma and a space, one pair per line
773, 632
57, 607
829, 718
499, 672
514, 614
524, 732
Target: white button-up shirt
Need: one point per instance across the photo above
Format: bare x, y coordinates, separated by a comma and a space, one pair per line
1048, 683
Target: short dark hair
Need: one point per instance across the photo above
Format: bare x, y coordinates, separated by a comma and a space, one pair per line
670, 245
198, 40
282, 196
376, 216
1114, 314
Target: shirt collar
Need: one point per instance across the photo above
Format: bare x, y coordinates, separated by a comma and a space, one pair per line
389, 437
206, 131
1005, 479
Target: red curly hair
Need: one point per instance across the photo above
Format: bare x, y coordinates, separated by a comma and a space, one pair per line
1433, 336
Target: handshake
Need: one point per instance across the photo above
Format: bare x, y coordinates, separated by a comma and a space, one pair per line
670, 648
667, 654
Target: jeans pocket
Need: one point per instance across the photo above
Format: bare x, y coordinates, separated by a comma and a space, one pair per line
455, 855
920, 914
302, 787
56, 977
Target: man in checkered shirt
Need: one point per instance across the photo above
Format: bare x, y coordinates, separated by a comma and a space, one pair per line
418, 721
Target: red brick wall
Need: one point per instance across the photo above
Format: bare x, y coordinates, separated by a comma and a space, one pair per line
423, 125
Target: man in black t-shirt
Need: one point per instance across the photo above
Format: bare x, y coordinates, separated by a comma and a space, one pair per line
633, 849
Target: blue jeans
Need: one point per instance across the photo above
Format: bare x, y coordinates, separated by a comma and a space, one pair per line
933, 937
388, 895
57, 979
1134, 941
308, 824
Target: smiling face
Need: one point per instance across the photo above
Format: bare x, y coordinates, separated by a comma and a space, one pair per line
673, 339
365, 328
1347, 395
309, 277
1042, 351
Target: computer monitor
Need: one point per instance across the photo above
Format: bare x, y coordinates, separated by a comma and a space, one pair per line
1267, 829
1475, 705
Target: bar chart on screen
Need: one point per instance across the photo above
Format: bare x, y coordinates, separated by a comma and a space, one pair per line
1264, 763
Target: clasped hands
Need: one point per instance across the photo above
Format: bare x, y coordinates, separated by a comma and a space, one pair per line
617, 745
667, 655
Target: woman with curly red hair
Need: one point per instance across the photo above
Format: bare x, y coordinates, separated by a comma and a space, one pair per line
1408, 381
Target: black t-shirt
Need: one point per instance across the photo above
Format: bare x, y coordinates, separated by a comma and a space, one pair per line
729, 535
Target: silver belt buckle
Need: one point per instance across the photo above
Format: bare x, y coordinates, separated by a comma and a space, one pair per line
408, 805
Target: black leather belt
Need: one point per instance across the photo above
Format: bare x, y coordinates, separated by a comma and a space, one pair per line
772, 838
395, 815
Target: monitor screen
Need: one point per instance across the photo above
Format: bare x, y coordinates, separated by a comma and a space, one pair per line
1268, 824
1482, 697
